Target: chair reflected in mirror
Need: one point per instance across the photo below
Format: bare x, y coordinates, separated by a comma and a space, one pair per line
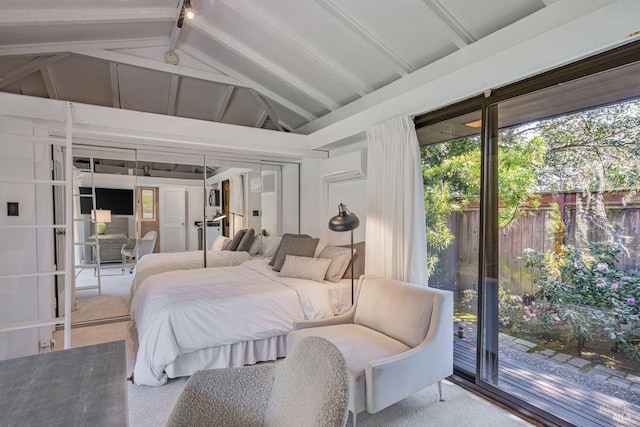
137, 248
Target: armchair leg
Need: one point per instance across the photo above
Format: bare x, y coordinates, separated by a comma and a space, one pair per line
440, 391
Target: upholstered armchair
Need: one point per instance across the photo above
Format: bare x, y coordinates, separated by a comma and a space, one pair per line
137, 248
309, 388
397, 339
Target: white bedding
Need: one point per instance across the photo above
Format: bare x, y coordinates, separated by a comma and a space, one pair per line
182, 312
153, 264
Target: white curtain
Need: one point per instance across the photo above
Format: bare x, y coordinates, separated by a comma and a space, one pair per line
236, 204
396, 235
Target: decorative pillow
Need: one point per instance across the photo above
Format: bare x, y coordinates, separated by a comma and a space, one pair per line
247, 240
236, 240
305, 267
270, 245
319, 249
285, 236
226, 244
256, 245
340, 258
298, 246
358, 261
219, 242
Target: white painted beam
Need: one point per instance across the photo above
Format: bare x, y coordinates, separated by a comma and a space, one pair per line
293, 41
454, 29
398, 64
262, 117
173, 95
224, 103
553, 36
48, 48
246, 81
115, 84
175, 30
49, 82
271, 67
136, 61
19, 18
270, 111
30, 67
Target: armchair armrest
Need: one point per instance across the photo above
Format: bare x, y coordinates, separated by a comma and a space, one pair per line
335, 320
130, 244
232, 396
394, 378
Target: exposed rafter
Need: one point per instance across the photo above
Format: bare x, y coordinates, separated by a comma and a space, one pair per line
175, 30
549, 2
137, 61
456, 32
288, 39
85, 16
30, 67
173, 95
49, 82
271, 112
246, 82
115, 84
271, 67
45, 48
262, 117
224, 103
398, 64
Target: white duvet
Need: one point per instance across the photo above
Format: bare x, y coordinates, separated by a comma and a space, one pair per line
181, 312
153, 264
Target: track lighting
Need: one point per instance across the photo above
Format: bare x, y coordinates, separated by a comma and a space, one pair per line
186, 12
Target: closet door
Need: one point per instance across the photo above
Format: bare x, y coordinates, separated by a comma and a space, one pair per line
172, 219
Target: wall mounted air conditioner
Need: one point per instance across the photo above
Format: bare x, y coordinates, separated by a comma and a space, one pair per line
345, 167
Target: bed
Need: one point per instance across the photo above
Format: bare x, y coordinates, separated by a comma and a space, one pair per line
219, 317
157, 263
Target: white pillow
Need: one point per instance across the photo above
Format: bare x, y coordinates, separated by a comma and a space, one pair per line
218, 242
319, 249
256, 245
340, 259
270, 245
305, 267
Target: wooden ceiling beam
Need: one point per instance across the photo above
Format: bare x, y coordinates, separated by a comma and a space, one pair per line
175, 30
173, 95
137, 61
49, 82
30, 67
271, 112
49, 48
115, 84
454, 29
262, 117
398, 64
271, 67
246, 81
293, 41
224, 103
19, 18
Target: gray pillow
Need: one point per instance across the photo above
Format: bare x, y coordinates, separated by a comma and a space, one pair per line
225, 245
298, 246
247, 240
305, 268
287, 236
358, 261
236, 240
340, 259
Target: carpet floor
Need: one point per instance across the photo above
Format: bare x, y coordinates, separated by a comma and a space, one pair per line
113, 301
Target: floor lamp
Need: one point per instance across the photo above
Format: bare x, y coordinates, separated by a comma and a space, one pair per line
345, 221
233, 221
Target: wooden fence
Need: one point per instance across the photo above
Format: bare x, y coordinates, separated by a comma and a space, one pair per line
608, 217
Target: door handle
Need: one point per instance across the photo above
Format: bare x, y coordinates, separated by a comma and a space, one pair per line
61, 232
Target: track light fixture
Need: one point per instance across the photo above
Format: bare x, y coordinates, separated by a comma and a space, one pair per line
186, 12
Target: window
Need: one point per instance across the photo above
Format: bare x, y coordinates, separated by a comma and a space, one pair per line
148, 204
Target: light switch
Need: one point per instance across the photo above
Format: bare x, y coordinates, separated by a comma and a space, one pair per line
12, 209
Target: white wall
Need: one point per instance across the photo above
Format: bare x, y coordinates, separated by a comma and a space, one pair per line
290, 198
312, 205
252, 201
25, 250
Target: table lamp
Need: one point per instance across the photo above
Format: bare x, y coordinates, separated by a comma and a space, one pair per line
102, 216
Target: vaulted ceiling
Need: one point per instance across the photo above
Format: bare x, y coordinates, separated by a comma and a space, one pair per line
273, 64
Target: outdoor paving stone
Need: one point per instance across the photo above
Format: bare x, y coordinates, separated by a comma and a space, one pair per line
525, 343
596, 375
576, 361
633, 379
620, 382
547, 352
609, 371
561, 357
520, 347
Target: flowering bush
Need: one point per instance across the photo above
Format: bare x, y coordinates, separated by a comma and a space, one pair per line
586, 291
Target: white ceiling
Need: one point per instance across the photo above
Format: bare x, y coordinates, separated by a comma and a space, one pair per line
273, 64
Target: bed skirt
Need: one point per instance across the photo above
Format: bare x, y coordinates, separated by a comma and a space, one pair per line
227, 356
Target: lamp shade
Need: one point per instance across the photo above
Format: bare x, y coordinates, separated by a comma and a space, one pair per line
344, 221
103, 215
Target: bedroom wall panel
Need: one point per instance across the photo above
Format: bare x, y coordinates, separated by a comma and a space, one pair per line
290, 198
312, 198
